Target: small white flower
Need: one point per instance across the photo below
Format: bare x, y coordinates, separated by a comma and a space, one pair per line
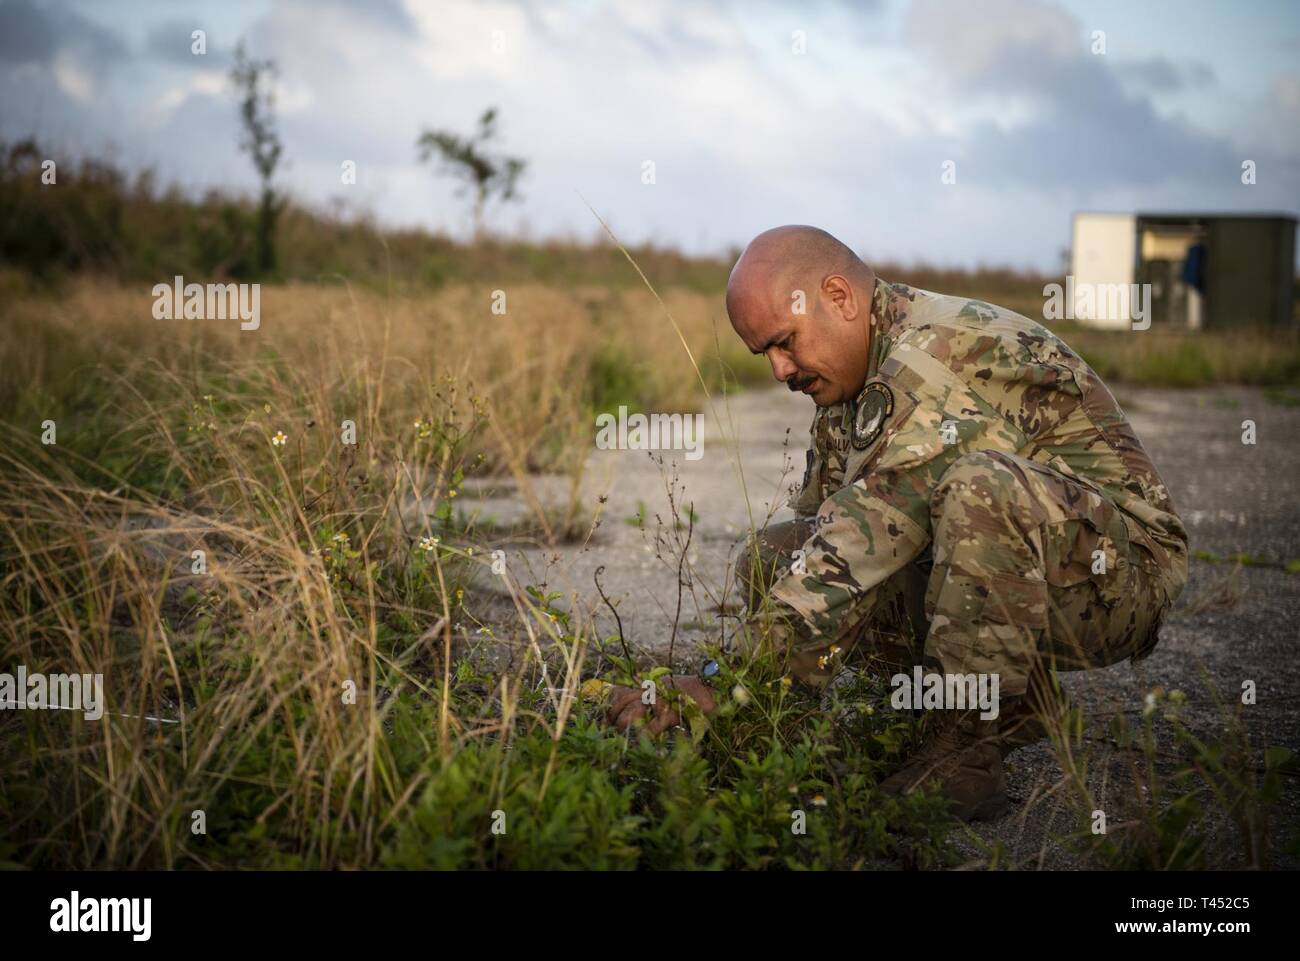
279, 439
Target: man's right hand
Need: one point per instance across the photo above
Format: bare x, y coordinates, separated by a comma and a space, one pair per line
626, 707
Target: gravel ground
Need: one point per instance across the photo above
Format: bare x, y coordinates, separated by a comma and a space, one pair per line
1232, 624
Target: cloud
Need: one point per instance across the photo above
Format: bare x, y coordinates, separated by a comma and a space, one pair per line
390, 14
1083, 129
997, 45
27, 35
1272, 127
53, 52
172, 42
743, 133
1285, 93
32, 34
1161, 75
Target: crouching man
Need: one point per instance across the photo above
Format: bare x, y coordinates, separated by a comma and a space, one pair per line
968, 473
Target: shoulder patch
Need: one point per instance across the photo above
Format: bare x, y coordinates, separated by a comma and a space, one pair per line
875, 404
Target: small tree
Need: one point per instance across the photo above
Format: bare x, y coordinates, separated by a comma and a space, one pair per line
252, 80
466, 159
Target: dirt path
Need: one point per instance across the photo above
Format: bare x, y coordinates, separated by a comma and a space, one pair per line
1233, 497
636, 535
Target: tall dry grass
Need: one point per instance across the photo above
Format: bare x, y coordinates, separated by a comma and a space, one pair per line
296, 688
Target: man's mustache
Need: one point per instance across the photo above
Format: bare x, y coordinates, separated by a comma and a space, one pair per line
798, 385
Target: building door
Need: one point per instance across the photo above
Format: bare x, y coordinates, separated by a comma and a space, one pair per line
1164, 250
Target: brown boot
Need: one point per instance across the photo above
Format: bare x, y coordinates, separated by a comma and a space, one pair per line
1023, 720
965, 761
1019, 726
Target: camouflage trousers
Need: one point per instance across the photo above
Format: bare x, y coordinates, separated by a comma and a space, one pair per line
1027, 569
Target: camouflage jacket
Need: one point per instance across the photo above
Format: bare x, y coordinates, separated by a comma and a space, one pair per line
960, 375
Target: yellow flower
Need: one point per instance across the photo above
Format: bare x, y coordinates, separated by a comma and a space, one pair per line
825, 658
267, 408
819, 800
279, 439
594, 689
451, 493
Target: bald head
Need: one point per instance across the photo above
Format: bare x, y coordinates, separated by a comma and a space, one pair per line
794, 257
803, 298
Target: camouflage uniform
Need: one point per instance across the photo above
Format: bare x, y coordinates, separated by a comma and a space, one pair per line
985, 491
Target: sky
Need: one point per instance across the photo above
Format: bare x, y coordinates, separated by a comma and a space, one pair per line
847, 115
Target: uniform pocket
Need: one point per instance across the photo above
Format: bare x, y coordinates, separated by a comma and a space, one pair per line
1091, 548
1017, 600
1093, 589
1147, 552
996, 598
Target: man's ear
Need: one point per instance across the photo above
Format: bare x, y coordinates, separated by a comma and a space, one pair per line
840, 292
